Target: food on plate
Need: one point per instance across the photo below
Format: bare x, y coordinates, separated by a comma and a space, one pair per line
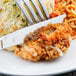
67, 7
12, 18
49, 5
46, 43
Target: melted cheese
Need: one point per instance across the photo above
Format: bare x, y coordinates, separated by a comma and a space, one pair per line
60, 52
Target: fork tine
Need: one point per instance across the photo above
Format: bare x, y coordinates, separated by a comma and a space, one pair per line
31, 10
38, 9
44, 8
20, 3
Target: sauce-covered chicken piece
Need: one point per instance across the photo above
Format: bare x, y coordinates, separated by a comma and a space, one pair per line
46, 43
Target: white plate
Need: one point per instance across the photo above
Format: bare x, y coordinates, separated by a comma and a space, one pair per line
11, 64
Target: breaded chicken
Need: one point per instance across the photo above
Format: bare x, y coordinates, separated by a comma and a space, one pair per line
46, 43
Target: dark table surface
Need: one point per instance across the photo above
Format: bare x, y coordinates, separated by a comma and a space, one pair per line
69, 74
73, 73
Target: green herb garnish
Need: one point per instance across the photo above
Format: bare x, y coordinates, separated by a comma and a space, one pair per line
14, 5
18, 16
23, 20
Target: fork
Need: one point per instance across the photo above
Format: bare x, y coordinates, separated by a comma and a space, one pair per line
21, 3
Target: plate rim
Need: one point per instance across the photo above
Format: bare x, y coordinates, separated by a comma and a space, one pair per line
56, 73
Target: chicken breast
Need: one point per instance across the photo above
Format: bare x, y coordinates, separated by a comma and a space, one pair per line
45, 43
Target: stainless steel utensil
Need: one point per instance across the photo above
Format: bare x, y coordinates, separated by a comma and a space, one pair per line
17, 37
21, 3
